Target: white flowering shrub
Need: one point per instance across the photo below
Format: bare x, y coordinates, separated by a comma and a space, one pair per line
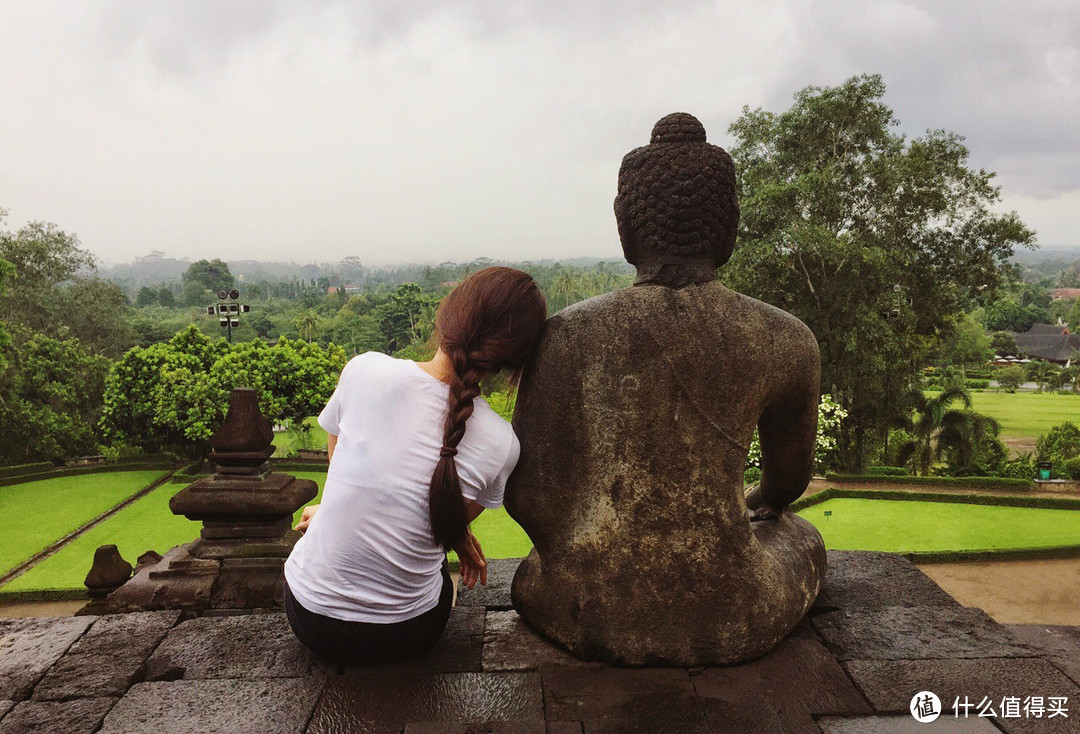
830, 416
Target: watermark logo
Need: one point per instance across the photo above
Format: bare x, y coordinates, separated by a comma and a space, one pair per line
925, 707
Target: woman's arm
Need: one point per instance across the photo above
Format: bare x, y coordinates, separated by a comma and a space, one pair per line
331, 442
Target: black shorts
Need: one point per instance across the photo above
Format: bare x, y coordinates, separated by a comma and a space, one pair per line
357, 643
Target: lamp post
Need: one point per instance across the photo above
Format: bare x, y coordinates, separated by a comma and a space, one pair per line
228, 313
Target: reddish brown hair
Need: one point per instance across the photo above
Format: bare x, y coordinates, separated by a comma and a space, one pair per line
491, 322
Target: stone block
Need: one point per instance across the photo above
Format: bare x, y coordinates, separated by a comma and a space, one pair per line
903, 725
564, 727
496, 595
78, 716
1060, 644
858, 580
890, 684
29, 647
894, 633
790, 686
249, 646
509, 644
606, 699
457, 651
6, 706
268, 706
388, 700
248, 583
108, 658
496, 727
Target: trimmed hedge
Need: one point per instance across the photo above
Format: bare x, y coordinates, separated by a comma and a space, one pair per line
74, 471
200, 469
20, 469
888, 471
943, 482
1044, 503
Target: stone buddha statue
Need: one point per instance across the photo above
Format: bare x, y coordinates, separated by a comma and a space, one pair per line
635, 419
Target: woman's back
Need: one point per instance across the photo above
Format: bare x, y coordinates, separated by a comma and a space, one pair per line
368, 554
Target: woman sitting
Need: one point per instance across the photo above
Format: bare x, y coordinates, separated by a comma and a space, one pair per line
415, 455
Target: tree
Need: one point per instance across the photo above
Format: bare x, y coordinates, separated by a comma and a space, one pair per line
308, 324
1058, 445
146, 297
204, 278
967, 344
1041, 373
1011, 378
940, 431
165, 297
174, 394
54, 290
1007, 315
876, 241
402, 318
50, 399
1004, 344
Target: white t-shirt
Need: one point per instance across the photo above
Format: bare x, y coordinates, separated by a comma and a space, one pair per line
368, 554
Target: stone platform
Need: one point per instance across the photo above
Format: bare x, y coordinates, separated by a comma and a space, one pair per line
880, 632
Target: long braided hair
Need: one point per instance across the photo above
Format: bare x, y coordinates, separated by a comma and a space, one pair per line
492, 321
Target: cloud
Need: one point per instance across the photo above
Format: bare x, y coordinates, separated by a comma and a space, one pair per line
414, 131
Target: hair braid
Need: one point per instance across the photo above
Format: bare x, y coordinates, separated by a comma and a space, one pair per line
449, 521
491, 321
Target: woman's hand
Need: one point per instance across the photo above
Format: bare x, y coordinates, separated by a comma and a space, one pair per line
305, 519
471, 561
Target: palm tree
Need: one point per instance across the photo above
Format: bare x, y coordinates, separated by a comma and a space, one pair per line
938, 429
308, 323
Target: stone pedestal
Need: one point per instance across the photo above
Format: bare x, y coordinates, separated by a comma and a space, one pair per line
246, 512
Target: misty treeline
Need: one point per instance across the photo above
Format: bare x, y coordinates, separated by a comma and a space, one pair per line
893, 250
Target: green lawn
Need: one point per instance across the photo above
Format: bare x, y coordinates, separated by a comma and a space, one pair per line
900, 526
148, 524
39, 513
285, 443
1026, 414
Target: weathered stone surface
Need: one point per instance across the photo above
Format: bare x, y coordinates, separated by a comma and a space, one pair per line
5, 706
80, 716
630, 481
29, 647
497, 727
496, 594
457, 651
903, 725
278, 706
890, 685
249, 583
894, 633
1061, 644
564, 727
870, 580
790, 686
249, 646
385, 701
108, 658
178, 581
509, 644
609, 700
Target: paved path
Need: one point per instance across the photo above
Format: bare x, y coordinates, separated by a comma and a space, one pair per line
880, 632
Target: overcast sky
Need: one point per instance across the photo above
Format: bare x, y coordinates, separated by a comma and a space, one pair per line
410, 131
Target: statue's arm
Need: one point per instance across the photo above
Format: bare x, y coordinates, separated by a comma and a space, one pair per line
787, 430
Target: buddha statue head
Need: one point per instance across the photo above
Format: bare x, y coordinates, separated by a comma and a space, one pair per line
677, 208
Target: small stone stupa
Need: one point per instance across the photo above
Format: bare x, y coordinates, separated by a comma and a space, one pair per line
635, 419
246, 511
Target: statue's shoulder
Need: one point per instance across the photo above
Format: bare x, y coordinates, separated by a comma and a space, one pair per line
592, 311
769, 318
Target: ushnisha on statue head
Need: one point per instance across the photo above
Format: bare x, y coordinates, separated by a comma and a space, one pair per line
677, 208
